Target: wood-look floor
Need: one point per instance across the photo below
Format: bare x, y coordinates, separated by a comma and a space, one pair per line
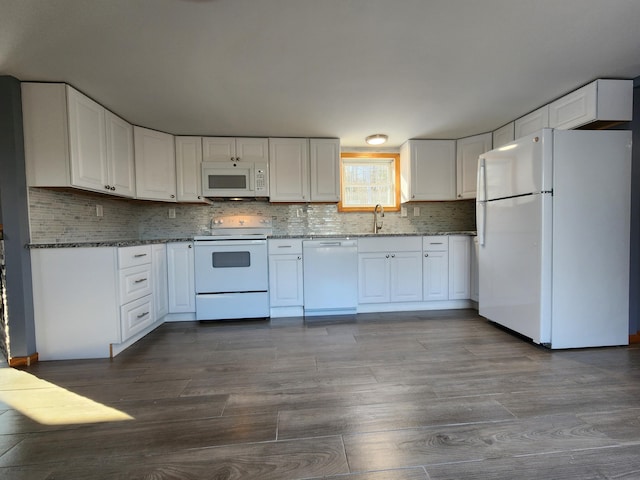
398, 396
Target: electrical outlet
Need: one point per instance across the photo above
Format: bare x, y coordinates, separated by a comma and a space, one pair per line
99, 211
416, 211
172, 213
403, 211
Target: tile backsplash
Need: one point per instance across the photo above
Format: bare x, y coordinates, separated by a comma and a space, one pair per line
70, 216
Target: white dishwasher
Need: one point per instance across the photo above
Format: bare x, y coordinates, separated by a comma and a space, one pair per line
330, 276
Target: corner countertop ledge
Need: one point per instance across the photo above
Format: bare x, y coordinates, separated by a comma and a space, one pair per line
114, 243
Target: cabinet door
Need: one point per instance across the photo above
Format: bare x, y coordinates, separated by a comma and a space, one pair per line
155, 165
474, 281
87, 142
324, 154
373, 278
285, 280
503, 135
436, 275
467, 152
532, 122
406, 277
160, 280
189, 169
459, 267
218, 149
120, 163
181, 280
252, 149
289, 169
433, 169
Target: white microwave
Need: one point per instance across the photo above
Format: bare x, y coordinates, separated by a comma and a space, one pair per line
235, 179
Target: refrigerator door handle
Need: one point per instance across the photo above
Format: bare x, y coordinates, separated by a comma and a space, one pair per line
481, 187
481, 215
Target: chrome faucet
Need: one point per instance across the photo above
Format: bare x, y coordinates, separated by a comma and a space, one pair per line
377, 222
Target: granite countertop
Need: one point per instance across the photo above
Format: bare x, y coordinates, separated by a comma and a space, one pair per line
113, 243
133, 243
361, 235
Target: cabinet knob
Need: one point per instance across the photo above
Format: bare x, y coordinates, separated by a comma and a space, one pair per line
413, 196
299, 258
173, 196
426, 254
107, 187
113, 189
459, 195
393, 255
386, 256
190, 246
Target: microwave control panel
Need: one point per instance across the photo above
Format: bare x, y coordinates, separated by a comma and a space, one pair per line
261, 180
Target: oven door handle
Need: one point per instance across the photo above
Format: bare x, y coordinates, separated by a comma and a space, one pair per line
228, 243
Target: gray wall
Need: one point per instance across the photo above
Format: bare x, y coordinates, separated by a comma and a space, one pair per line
14, 204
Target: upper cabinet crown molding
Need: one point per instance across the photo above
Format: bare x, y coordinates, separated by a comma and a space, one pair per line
72, 141
532, 122
504, 135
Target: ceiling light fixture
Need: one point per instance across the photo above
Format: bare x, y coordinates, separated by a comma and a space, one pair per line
377, 139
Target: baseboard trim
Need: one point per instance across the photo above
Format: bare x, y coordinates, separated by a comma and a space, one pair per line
635, 338
23, 361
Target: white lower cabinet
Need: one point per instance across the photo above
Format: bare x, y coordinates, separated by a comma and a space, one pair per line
389, 269
459, 267
475, 274
435, 268
181, 278
92, 302
160, 280
285, 275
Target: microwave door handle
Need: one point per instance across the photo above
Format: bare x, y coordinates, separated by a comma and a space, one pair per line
252, 180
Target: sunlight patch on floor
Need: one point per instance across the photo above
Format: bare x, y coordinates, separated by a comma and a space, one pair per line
49, 404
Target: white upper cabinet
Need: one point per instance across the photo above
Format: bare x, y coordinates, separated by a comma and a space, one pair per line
467, 152
189, 169
324, 155
428, 170
532, 122
227, 149
155, 165
120, 161
601, 100
504, 135
289, 169
72, 141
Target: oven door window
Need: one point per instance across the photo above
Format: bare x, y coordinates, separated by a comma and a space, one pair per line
231, 259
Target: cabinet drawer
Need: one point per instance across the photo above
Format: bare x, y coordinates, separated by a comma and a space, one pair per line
135, 282
132, 256
389, 244
435, 243
136, 316
285, 246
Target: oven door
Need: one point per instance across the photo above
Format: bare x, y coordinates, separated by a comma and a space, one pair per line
226, 266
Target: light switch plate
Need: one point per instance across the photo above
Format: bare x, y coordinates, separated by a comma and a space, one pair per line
403, 211
416, 211
172, 213
99, 211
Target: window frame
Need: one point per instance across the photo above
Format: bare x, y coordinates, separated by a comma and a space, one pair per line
376, 155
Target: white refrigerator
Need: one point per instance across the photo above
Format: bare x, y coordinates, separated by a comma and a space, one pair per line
553, 220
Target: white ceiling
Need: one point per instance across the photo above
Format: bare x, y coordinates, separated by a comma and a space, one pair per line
326, 68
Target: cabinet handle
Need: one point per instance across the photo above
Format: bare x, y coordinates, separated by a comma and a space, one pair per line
138, 255
140, 280
435, 243
285, 246
143, 314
